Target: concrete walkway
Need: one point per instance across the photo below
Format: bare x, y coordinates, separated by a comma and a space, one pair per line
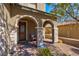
70, 41
57, 49
68, 49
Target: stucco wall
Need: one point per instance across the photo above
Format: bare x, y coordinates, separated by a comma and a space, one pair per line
18, 11
69, 30
14, 13
41, 6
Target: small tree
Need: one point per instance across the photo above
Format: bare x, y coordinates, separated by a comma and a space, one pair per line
65, 10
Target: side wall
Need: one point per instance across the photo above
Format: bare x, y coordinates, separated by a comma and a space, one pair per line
16, 12
69, 31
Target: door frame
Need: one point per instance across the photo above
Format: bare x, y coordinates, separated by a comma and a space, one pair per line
26, 30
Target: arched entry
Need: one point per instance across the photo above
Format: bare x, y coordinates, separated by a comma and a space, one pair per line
26, 28
48, 31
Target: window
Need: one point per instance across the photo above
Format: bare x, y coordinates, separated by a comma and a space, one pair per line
22, 28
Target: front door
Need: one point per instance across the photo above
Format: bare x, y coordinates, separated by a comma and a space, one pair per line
22, 31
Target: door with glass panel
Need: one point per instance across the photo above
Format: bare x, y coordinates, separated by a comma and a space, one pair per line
22, 31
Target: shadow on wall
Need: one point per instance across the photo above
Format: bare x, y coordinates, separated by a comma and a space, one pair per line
3, 36
3, 46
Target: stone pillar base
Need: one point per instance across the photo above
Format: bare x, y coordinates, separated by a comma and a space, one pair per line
40, 37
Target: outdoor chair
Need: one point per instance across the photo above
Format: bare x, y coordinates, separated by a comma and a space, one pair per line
33, 36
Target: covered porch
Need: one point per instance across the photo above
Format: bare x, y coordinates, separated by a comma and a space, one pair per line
31, 25
33, 32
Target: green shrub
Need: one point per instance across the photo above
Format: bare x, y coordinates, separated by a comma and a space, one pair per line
44, 52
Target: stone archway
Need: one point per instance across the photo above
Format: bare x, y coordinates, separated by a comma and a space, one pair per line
32, 24
23, 16
48, 31
39, 29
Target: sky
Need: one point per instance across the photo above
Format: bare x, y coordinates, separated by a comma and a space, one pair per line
48, 8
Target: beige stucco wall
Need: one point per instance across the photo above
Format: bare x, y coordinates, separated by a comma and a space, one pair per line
38, 6
69, 30
41, 6
15, 13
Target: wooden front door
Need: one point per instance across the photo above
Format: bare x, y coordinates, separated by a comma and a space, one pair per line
22, 31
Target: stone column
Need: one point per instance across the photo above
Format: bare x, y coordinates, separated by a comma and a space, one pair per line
40, 37
55, 34
44, 33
